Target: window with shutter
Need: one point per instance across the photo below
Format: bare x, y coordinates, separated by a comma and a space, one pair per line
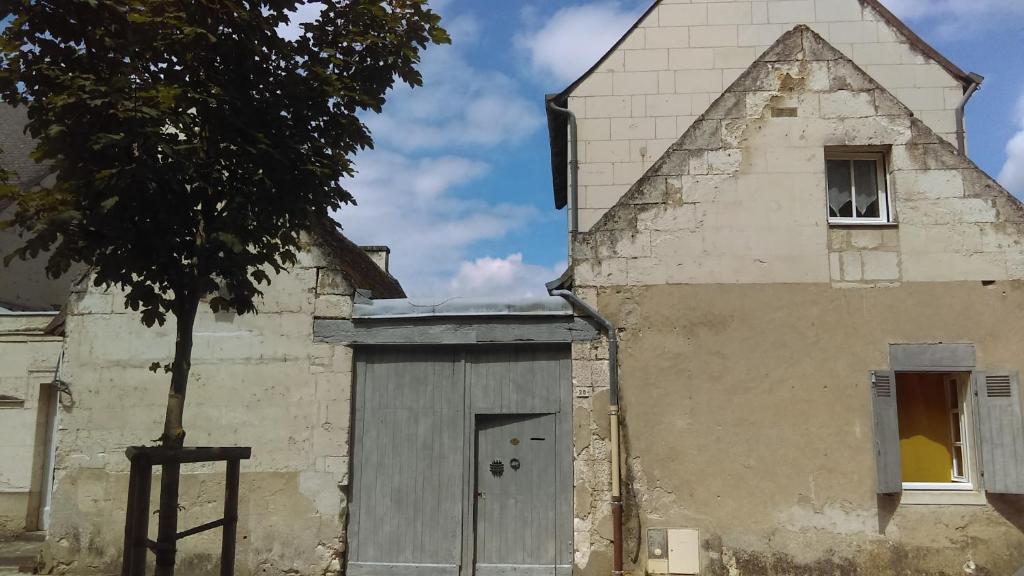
933, 427
923, 431
1000, 429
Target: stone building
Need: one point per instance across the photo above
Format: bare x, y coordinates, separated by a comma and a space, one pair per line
817, 298
30, 344
257, 380
76, 391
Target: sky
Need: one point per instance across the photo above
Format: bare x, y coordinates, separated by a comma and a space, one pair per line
459, 184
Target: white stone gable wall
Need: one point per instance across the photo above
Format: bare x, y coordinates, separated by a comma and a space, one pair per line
682, 56
740, 198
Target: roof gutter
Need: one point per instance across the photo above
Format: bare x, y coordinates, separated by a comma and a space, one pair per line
574, 168
961, 132
613, 416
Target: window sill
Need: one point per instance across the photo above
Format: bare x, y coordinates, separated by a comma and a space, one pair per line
944, 486
855, 224
943, 498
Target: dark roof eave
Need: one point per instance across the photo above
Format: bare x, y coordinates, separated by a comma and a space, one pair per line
563, 282
356, 264
558, 142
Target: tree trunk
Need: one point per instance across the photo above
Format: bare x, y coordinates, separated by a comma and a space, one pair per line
185, 317
174, 432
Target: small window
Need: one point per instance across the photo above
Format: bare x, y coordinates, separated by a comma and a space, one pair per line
857, 190
933, 430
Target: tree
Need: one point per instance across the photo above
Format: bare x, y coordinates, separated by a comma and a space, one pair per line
191, 143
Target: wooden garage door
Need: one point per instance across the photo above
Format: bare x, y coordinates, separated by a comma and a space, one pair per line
415, 426
407, 469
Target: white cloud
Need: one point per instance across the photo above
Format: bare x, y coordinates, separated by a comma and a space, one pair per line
415, 191
503, 277
458, 105
412, 205
1012, 174
575, 37
957, 17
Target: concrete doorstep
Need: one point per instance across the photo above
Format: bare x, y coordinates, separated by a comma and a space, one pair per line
20, 554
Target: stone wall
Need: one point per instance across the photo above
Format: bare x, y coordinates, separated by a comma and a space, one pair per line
28, 361
684, 54
256, 381
740, 198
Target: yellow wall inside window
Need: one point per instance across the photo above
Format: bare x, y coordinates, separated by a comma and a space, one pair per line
925, 443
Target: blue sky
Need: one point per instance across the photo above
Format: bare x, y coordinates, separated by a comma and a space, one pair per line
459, 184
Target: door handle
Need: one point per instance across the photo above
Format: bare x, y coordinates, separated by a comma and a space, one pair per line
481, 495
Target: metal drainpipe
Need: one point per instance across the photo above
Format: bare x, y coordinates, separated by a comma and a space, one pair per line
574, 170
613, 417
961, 132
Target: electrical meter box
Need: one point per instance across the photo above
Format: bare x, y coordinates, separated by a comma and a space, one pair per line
673, 551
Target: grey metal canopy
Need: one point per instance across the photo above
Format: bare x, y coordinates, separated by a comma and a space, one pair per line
417, 308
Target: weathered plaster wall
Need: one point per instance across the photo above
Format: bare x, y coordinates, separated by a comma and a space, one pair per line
748, 416
28, 359
256, 381
749, 327
685, 54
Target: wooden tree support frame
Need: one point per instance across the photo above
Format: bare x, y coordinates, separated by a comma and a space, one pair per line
136, 525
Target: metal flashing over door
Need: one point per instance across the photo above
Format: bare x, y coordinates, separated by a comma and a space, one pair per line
462, 461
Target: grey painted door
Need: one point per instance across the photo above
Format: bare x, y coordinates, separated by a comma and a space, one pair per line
415, 440
408, 451
516, 491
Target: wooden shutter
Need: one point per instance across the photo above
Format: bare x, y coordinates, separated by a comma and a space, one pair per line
1000, 428
888, 467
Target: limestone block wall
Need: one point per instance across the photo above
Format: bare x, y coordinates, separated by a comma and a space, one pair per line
592, 521
684, 54
740, 198
28, 360
257, 380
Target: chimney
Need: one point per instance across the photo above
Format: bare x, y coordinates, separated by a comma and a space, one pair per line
379, 255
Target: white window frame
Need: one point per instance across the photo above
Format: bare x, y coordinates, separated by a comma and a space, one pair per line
965, 407
960, 411
882, 177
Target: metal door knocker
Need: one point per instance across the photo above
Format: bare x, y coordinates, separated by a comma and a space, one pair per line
497, 468
514, 463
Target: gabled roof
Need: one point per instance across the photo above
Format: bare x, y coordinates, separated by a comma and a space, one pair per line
771, 73
558, 134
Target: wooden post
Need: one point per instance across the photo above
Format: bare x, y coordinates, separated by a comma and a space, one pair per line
140, 484
167, 527
140, 521
136, 529
227, 550
129, 519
